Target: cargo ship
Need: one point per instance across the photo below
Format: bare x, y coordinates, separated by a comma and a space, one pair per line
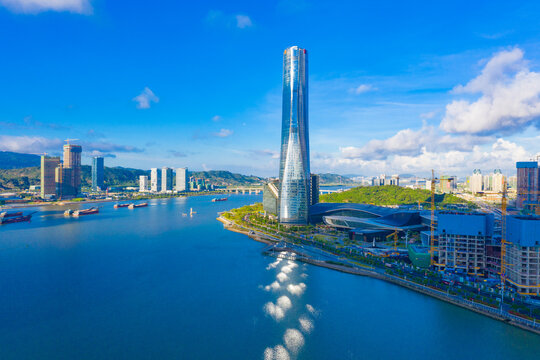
117, 206
133, 206
16, 218
6, 214
92, 210
219, 199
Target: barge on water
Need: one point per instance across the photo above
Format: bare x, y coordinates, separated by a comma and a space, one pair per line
117, 206
92, 210
134, 206
6, 214
16, 218
220, 199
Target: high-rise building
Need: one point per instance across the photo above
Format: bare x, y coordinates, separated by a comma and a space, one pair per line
314, 189
48, 166
72, 160
155, 180
394, 180
463, 239
182, 179
63, 177
476, 183
143, 183
98, 171
294, 172
271, 197
497, 181
528, 186
166, 179
523, 254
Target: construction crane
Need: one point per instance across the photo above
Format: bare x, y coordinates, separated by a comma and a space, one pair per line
395, 234
432, 225
503, 239
68, 140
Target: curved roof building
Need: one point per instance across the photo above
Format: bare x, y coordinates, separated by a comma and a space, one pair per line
294, 173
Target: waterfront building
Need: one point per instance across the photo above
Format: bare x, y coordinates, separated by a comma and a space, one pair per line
182, 179
155, 180
143, 183
271, 197
528, 186
294, 171
497, 181
462, 240
394, 180
493, 258
63, 178
314, 189
98, 171
523, 253
48, 166
166, 179
476, 182
72, 160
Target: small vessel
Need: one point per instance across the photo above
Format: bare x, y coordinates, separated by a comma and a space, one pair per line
6, 214
92, 210
191, 212
134, 206
117, 206
68, 212
220, 199
16, 219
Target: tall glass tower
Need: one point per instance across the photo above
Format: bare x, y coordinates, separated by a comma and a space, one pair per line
294, 174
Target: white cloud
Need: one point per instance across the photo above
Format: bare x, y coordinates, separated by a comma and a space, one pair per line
243, 21
145, 98
223, 133
36, 6
277, 353
306, 324
509, 101
294, 340
296, 289
362, 89
278, 310
29, 144
216, 118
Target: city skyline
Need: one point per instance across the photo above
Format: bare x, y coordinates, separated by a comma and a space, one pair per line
428, 96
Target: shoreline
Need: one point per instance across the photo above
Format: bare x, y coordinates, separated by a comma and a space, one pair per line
463, 303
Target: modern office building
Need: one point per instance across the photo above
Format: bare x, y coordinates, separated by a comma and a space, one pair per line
294, 171
63, 177
448, 184
166, 179
462, 240
182, 179
314, 189
155, 180
497, 181
476, 182
271, 197
528, 185
48, 166
98, 172
523, 253
143, 183
72, 160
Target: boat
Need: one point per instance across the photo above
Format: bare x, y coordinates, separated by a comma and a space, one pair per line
92, 210
68, 212
133, 206
191, 212
16, 219
6, 214
219, 199
117, 206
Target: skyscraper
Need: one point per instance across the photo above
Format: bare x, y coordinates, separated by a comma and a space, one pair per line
166, 179
143, 183
97, 173
72, 160
314, 189
182, 179
528, 184
294, 173
48, 164
155, 180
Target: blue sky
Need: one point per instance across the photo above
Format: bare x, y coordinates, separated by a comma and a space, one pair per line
395, 87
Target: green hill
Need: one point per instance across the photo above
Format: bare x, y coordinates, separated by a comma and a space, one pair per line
334, 179
12, 160
390, 195
227, 178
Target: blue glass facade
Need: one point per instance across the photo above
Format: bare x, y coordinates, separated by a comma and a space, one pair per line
97, 173
294, 173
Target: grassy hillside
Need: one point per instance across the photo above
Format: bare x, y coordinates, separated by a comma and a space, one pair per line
11, 160
334, 179
227, 178
389, 195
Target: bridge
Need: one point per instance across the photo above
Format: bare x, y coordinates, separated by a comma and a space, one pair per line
243, 190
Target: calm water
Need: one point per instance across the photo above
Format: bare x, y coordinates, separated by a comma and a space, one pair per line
151, 284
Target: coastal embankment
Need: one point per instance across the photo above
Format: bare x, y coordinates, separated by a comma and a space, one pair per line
494, 313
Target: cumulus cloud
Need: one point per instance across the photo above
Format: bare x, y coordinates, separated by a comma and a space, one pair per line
37, 6
273, 265
216, 118
224, 133
282, 277
287, 269
296, 289
312, 310
273, 286
306, 324
363, 88
108, 147
243, 21
278, 310
294, 340
145, 98
276, 353
271, 153
29, 144
509, 98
